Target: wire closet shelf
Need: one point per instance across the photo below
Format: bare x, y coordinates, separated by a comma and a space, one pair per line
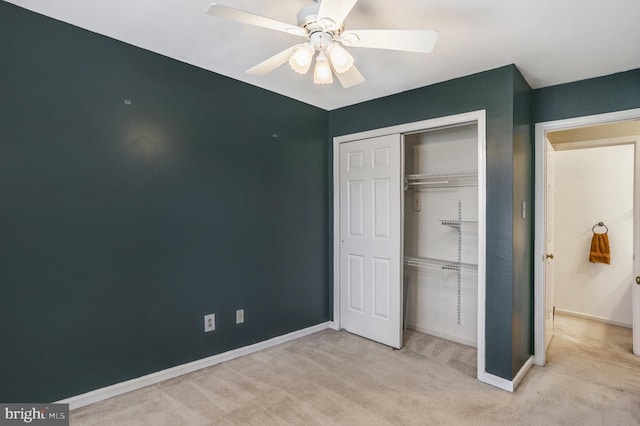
441, 180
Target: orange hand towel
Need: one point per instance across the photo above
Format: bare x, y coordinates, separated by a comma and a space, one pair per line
600, 249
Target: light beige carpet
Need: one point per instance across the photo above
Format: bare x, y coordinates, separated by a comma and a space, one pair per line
335, 378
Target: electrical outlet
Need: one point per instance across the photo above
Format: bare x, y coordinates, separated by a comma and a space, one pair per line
239, 316
209, 322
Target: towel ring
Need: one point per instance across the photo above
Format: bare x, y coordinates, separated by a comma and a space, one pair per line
606, 230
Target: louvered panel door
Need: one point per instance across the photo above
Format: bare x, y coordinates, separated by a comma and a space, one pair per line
371, 239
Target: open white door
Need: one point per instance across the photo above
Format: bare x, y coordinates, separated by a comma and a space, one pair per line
636, 252
370, 232
549, 242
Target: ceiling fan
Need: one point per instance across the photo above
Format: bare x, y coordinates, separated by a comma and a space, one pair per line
322, 25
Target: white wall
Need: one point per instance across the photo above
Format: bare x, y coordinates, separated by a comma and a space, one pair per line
593, 185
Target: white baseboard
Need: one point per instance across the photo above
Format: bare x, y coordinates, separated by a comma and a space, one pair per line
595, 318
508, 385
179, 370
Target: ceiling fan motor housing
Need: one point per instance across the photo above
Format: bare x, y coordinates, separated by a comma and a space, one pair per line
321, 34
308, 15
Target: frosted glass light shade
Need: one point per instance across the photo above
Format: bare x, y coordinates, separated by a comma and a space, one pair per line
341, 60
322, 73
301, 59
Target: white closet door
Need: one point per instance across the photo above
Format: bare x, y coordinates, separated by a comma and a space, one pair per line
371, 239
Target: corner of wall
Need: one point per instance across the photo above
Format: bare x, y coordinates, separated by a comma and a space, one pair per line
522, 311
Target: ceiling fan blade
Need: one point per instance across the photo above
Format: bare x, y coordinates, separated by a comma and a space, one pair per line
422, 41
273, 62
332, 13
238, 15
350, 78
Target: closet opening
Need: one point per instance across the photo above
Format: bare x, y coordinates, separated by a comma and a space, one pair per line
410, 237
441, 233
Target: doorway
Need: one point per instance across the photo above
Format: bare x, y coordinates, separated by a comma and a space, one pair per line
615, 129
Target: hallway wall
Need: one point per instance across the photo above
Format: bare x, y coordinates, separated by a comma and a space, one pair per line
593, 185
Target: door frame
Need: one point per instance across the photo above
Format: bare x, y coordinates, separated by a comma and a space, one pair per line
540, 173
475, 117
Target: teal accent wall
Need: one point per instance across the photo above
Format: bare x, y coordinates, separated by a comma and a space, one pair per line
122, 225
504, 94
615, 92
523, 165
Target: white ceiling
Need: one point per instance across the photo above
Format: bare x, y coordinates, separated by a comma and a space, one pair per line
550, 41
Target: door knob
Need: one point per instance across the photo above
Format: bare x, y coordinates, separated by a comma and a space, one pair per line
550, 256
638, 280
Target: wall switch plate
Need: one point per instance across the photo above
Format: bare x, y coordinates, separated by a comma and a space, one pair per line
239, 316
209, 322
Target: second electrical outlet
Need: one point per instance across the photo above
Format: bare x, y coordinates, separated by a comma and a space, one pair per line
209, 322
239, 316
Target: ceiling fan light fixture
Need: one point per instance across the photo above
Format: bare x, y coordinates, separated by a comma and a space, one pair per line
322, 73
340, 59
323, 25
301, 59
